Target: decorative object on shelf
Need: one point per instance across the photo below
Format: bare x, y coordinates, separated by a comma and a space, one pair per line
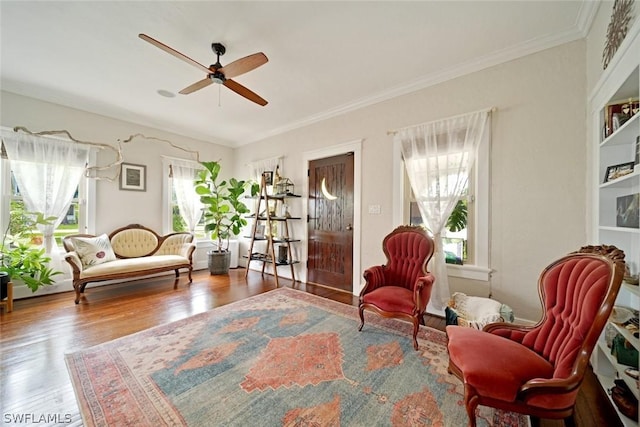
631, 279
133, 177
618, 113
284, 187
633, 373
617, 171
281, 185
285, 211
260, 231
628, 211
637, 159
620, 315
282, 254
624, 399
624, 352
223, 210
617, 29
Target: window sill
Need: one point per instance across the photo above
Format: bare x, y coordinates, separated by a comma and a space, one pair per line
472, 272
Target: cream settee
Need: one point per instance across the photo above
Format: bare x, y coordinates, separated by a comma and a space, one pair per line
127, 252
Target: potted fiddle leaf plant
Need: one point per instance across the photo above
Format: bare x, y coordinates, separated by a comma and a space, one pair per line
19, 258
224, 211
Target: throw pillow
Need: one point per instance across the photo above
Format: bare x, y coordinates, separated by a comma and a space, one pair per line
93, 250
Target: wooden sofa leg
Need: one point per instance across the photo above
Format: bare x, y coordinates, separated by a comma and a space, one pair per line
190, 270
78, 289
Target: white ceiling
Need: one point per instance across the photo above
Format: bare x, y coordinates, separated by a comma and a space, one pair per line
325, 58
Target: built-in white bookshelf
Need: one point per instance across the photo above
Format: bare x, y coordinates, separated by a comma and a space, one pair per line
616, 180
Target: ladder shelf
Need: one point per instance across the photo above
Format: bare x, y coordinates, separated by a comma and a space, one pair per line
265, 213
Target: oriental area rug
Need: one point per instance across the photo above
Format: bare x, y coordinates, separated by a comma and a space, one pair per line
282, 358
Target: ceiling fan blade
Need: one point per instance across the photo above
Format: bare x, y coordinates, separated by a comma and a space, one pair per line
244, 65
196, 86
173, 52
243, 91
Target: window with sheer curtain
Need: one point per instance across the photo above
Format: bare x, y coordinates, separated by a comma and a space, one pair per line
459, 243
184, 210
45, 173
439, 157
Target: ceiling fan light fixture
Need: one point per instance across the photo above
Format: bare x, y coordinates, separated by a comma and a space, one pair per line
217, 77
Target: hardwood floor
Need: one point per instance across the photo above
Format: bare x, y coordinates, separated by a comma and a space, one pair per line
34, 384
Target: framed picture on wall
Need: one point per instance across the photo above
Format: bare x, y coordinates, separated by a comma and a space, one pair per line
268, 177
133, 177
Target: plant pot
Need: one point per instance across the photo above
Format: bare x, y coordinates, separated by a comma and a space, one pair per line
4, 284
219, 262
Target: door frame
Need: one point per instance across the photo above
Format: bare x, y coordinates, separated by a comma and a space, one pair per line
330, 151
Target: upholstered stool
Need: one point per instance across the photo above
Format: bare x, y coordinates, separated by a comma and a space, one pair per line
476, 312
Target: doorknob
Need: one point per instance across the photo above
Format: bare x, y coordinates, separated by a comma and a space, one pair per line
349, 227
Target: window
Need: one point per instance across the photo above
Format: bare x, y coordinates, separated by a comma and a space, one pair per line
456, 236
177, 221
178, 178
472, 244
14, 211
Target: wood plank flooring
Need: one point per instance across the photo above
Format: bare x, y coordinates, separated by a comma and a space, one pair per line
34, 385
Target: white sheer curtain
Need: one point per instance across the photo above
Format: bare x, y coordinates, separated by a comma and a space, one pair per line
184, 172
438, 157
47, 171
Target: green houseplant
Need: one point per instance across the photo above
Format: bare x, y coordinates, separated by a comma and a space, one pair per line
224, 211
19, 257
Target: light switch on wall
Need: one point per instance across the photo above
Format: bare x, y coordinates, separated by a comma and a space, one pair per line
374, 209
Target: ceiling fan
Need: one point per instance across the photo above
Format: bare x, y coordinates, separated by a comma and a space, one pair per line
216, 73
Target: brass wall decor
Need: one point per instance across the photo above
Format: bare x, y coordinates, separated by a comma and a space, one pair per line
617, 29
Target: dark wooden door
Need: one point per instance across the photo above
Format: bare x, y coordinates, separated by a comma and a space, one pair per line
330, 227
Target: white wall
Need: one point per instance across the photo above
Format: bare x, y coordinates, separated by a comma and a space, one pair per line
538, 160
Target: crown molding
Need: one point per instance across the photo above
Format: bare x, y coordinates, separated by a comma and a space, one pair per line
579, 31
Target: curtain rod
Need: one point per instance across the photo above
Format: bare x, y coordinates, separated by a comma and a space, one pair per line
395, 131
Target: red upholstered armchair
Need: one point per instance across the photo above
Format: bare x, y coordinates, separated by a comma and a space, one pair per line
402, 287
537, 370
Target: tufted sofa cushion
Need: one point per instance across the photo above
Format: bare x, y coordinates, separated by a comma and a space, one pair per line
133, 243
